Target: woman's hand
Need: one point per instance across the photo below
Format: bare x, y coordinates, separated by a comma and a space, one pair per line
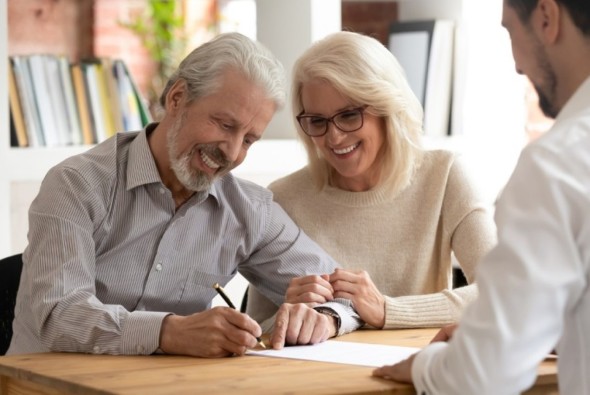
312, 290
366, 298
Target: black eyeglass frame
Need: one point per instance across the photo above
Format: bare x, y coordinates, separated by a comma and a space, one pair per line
360, 109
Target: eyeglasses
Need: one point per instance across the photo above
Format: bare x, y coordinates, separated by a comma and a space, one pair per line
346, 121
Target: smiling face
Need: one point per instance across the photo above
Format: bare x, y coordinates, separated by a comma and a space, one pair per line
211, 135
353, 156
531, 59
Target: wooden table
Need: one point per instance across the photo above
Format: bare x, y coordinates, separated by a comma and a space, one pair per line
68, 373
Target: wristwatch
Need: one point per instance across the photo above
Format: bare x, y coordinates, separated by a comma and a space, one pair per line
331, 313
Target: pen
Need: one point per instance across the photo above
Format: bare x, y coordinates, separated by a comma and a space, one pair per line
222, 293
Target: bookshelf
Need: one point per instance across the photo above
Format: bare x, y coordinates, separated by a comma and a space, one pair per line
19, 166
25, 167
491, 140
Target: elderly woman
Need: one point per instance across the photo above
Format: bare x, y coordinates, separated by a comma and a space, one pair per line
389, 211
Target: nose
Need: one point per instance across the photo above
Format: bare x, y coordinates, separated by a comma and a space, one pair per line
333, 134
231, 148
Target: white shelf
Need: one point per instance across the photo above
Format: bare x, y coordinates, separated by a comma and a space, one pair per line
491, 109
31, 164
18, 164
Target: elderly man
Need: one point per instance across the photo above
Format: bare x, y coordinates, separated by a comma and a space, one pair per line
127, 240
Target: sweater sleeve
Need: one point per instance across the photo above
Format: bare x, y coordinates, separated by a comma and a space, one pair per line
471, 230
429, 310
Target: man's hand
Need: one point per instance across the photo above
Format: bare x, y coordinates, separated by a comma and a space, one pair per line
300, 324
445, 333
218, 332
401, 371
314, 290
366, 298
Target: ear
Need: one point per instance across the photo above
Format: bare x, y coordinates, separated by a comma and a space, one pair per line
548, 16
176, 97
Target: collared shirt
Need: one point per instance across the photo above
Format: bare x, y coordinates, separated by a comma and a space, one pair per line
109, 255
535, 285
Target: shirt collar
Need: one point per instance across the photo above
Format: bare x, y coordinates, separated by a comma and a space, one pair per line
141, 166
577, 103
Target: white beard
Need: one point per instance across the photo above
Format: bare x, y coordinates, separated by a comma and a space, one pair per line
192, 179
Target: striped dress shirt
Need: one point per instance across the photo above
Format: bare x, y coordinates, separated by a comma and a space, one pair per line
109, 255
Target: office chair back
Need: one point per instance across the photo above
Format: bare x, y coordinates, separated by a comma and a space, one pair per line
10, 270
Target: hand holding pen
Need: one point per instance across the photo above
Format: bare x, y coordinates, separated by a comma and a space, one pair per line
227, 300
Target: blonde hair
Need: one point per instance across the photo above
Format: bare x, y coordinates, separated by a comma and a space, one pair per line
366, 72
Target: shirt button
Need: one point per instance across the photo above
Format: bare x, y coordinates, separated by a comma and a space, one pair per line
96, 349
140, 349
162, 191
159, 267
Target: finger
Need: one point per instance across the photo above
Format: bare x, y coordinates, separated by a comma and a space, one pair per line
397, 372
279, 332
296, 323
309, 293
383, 372
346, 286
304, 328
231, 347
242, 321
311, 279
344, 295
314, 327
239, 329
342, 274
322, 329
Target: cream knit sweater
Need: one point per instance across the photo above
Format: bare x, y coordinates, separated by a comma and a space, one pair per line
404, 241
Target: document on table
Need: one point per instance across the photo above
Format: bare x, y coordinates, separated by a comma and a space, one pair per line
364, 354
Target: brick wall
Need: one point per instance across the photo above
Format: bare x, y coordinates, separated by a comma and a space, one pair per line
111, 39
369, 17
50, 26
83, 28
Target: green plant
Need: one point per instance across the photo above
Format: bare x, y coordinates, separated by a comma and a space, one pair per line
160, 26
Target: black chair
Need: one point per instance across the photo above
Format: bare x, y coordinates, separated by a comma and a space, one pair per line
10, 270
459, 279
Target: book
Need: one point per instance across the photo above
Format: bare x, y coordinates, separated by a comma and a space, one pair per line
16, 113
113, 95
72, 118
82, 104
424, 49
24, 85
55, 103
144, 111
57, 99
91, 80
106, 103
130, 112
44, 100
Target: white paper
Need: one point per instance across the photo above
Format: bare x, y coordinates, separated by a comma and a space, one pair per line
363, 354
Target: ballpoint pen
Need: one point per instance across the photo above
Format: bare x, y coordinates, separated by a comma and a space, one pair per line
222, 293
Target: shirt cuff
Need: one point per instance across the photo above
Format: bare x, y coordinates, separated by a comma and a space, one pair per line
421, 374
141, 332
349, 319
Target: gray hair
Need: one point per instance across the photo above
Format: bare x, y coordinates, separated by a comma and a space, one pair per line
203, 66
365, 71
